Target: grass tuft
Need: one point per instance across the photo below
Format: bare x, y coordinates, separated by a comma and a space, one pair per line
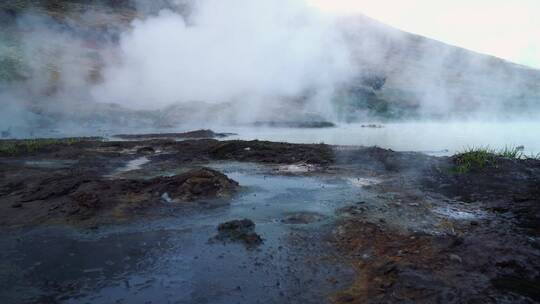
471, 158
480, 157
511, 152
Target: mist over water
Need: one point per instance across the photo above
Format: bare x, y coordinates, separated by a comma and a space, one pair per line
174, 65
434, 138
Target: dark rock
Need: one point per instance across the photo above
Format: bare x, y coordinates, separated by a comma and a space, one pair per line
74, 196
270, 152
302, 218
52, 187
244, 224
194, 184
86, 199
522, 286
186, 135
373, 126
455, 258
296, 124
239, 231
146, 150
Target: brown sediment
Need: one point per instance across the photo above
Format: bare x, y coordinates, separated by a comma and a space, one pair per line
405, 252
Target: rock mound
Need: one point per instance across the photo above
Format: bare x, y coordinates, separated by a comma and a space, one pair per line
193, 185
242, 231
271, 152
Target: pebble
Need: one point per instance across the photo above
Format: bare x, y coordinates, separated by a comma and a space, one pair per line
455, 258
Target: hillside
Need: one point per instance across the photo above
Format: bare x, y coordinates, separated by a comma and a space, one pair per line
436, 78
53, 52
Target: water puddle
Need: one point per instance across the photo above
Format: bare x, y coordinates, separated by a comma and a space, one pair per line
50, 164
132, 165
172, 260
363, 181
456, 213
297, 168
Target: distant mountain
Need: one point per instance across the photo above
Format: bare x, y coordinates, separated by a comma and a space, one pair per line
423, 76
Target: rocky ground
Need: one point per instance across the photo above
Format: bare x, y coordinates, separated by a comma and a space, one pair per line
421, 232
432, 235
86, 181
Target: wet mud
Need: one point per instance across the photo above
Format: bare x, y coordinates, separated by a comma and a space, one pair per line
198, 134
221, 221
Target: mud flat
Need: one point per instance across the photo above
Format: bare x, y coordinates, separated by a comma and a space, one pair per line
203, 220
198, 134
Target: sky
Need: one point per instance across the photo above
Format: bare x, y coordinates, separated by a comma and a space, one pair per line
503, 28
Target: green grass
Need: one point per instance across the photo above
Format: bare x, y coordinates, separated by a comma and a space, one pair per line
480, 157
29, 146
511, 152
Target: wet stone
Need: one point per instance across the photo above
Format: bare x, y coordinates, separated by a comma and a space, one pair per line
242, 231
146, 150
302, 218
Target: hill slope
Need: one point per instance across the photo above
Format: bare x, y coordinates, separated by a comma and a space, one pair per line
436, 78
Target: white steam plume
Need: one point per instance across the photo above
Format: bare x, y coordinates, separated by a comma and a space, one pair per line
254, 51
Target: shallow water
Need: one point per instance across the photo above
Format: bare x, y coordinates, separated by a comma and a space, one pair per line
436, 138
170, 260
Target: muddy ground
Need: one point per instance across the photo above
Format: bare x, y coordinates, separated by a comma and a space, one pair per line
409, 226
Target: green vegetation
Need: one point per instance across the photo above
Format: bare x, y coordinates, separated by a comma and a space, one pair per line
29, 146
511, 152
473, 158
480, 157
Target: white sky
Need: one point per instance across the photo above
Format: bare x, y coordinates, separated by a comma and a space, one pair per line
509, 29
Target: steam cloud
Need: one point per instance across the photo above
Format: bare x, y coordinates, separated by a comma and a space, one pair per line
239, 50
239, 61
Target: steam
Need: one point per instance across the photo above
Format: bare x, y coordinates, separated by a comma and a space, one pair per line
169, 62
258, 52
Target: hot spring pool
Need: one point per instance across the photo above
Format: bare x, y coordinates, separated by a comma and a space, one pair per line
437, 138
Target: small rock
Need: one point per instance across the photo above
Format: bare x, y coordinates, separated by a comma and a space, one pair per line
166, 198
239, 231
16, 205
302, 218
455, 258
237, 225
146, 150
